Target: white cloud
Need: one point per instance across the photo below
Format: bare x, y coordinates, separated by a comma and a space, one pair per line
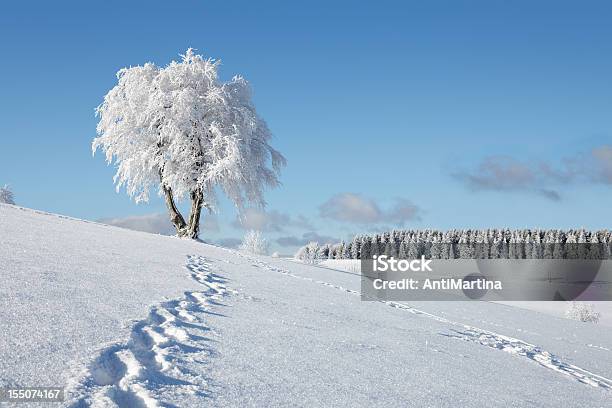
269, 221
504, 173
307, 237
603, 158
357, 209
153, 223
157, 223
229, 242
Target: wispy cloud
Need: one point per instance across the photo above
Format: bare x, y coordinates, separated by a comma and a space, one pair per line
307, 237
358, 209
157, 223
154, 223
229, 242
603, 158
269, 221
505, 173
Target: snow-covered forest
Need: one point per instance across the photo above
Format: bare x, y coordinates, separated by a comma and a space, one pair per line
469, 244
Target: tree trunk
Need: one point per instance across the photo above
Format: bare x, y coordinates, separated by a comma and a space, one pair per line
175, 216
197, 201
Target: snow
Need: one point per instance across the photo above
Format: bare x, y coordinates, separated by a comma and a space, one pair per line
557, 309
70, 288
349, 265
130, 319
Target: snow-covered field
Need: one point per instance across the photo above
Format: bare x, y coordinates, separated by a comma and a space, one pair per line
348, 265
557, 309
129, 319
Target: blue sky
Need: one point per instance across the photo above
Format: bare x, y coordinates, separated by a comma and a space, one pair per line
446, 113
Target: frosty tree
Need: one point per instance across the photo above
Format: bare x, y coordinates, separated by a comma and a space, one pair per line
6, 195
182, 130
310, 253
254, 243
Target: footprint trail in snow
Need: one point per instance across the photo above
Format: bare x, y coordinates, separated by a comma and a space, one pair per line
474, 334
166, 356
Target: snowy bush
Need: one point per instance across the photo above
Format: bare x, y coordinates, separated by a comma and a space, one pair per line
6, 195
275, 255
583, 312
300, 254
254, 243
310, 253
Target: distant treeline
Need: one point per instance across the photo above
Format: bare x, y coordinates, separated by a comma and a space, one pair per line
469, 244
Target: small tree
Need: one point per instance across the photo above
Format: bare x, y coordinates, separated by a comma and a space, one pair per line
6, 195
583, 312
413, 248
558, 247
366, 244
595, 247
340, 250
254, 243
356, 248
324, 251
403, 249
436, 248
375, 246
309, 253
183, 130
348, 250
571, 247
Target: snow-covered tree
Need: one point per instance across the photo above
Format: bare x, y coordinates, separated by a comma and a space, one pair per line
309, 253
300, 254
255, 243
181, 129
356, 248
482, 244
595, 251
375, 246
466, 251
582, 247
549, 244
388, 249
571, 247
366, 245
6, 195
436, 247
324, 251
339, 254
332, 252
403, 249
348, 251
537, 250
413, 248
495, 250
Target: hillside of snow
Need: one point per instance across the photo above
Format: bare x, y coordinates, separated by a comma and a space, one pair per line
129, 319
